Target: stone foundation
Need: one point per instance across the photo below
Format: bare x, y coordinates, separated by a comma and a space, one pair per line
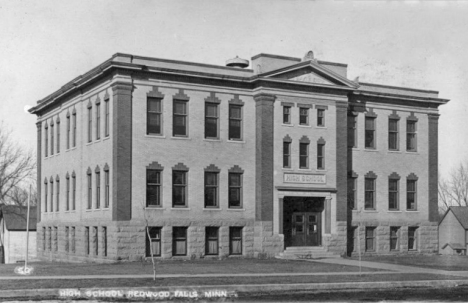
126, 241
426, 238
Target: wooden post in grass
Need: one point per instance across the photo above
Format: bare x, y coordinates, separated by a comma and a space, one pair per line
149, 239
27, 229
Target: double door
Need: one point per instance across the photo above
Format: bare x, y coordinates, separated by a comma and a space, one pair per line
306, 229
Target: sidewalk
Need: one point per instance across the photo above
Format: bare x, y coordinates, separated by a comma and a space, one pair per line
391, 267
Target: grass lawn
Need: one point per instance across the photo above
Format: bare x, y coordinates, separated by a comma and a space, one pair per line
183, 267
180, 282
443, 262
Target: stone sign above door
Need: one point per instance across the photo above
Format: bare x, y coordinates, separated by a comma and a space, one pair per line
304, 178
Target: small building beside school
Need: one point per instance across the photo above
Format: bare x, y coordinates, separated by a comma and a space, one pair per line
453, 231
177, 159
13, 233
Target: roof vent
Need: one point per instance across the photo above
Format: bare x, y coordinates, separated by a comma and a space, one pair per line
308, 56
237, 62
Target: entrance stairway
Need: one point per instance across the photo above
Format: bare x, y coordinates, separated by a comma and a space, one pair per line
306, 252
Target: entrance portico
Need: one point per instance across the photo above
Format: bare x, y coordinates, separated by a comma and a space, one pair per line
304, 217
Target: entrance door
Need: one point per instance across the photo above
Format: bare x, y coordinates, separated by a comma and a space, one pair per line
306, 229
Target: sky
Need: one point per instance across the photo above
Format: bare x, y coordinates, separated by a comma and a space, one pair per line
421, 44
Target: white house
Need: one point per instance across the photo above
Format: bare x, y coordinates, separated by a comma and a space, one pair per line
13, 233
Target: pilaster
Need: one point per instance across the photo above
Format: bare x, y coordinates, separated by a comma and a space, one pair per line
39, 171
341, 161
122, 151
433, 149
264, 122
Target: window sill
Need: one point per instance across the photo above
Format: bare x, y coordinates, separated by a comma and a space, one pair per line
212, 208
412, 152
155, 136
106, 138
180, 138
154, 208
394, 151
372, 150
212, 139
319, 170
288, 169
321, 127
235, 141
70, 149
288, 125
394, 211
304, 126
412, 211
180, 208
370, 211
304, 169
236, 209
97, 140
89, 143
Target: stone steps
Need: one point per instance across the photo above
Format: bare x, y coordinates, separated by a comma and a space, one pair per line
306, 252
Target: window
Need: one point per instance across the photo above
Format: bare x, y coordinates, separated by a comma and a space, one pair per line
51, 195
411, 194
104, 241
352, 193
320, 117
393, 194
73, 191
45, 196
74, 130
412, 238
98, 189
287, 154
235, 190
49, 239
352, 236
352, 131
67, 239
303, 116
96, 240
153, 241
68, 131
370, 238
72, 248
90, 124
179, 241
106, 125
153, 187
46, 139
107, 189
58, 136
44, 231
90, 191
179, 188
55, 238
57, 200
98, 121
370, 132
154, 115
87, 240
235, 240
369, 199
411, 136
393, 134
235, 122
394, 231
67, 205
211, 120
320, 156
51, 139
211, 189
287, 114
303, 155
180, 118
211, 240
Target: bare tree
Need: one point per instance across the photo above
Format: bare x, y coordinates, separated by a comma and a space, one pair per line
19, 196
453, 191
16, 166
